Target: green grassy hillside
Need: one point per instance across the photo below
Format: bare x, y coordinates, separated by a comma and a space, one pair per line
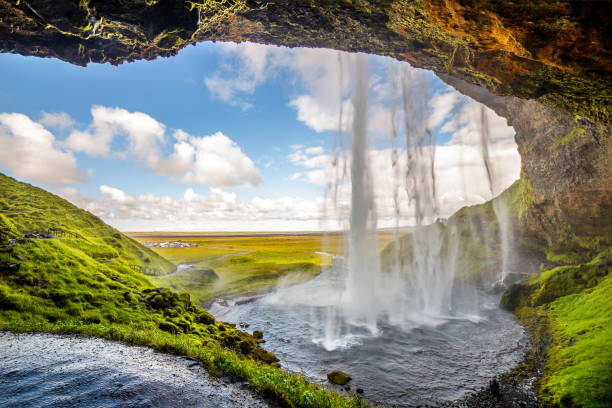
82, 282
569, 310
470, 238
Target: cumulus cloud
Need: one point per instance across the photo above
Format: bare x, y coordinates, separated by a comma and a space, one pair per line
323, 79
217, 210
216, 160
57, 120
30, 151
142, 133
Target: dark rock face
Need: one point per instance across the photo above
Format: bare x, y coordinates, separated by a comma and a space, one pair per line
543, 65
556, 52
566, 172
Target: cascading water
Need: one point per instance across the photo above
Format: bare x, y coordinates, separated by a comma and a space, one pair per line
418, 284
361, 257
500, 207
401, 319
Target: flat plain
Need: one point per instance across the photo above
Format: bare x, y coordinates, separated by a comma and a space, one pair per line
245, 263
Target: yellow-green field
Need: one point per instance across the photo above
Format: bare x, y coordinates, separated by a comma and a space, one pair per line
245, 263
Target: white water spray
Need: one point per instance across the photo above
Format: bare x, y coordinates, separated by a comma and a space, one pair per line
500, 207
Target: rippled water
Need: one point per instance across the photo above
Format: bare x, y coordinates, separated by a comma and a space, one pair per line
429, 361
43, 370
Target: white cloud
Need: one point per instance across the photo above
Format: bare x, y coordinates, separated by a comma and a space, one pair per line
58, 120
218, 210
442, 105
314, 150
114, 193
30, 151
143, 134
320, 118
232, 89
215, 160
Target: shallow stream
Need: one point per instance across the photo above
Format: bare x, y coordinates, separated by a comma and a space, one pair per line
46, 370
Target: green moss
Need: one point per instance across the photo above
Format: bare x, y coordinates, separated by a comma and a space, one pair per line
579, 368
572, 135
567, 310
525, 189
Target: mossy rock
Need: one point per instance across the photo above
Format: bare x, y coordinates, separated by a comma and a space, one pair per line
245, 347
169, 327
205, 318
265, 355
258, 334
338, 377
516, 295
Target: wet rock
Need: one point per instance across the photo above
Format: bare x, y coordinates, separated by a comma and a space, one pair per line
359, 390
495, 389
338, 377
258, 334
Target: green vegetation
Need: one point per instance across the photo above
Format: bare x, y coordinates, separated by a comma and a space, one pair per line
246, 264
84, 285
568, 309
575, 133
470, 237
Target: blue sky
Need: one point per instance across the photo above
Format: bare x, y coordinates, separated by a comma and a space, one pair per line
276, 110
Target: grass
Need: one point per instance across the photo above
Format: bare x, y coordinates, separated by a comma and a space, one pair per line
85, 285
573, 303
247, 263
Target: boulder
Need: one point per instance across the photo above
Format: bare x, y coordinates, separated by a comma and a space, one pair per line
258, 334
338, 377
9, 268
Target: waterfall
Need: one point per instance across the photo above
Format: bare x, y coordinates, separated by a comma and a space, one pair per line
500, 207
416, 280
362, 259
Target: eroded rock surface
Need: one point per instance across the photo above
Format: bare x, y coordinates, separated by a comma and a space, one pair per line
547, 62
